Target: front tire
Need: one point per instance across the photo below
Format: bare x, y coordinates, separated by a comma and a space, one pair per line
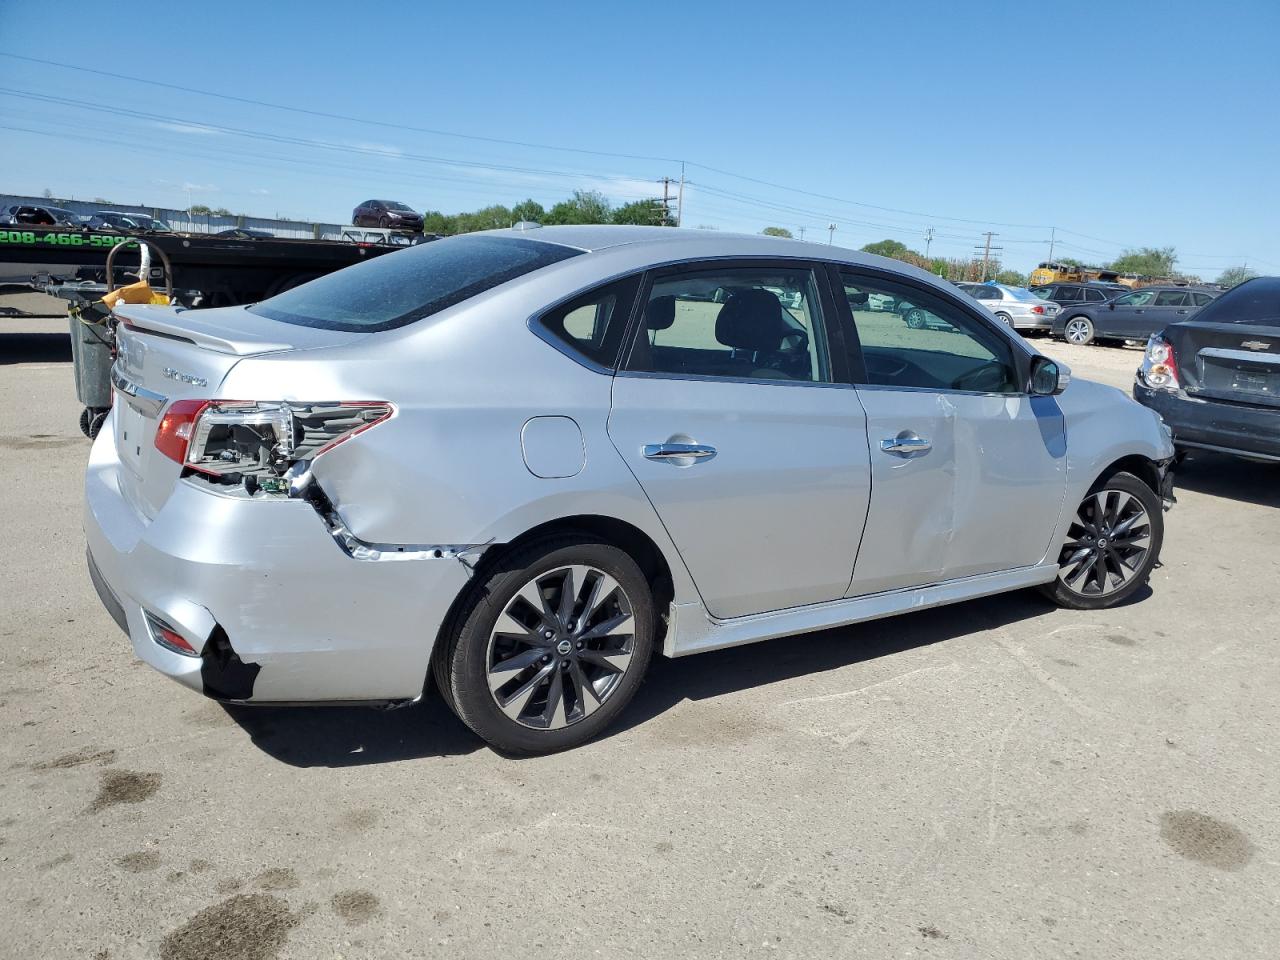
1112, 545
551, 645
915, 318
1078, 330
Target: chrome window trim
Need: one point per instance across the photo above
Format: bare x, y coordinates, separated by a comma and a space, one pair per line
946, 390
709, 378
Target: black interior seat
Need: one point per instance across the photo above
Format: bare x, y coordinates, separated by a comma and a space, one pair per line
753, 321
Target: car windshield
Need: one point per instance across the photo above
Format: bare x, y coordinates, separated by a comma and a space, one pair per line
398, 288
1254, 301
392, 205
146, 223
66, 215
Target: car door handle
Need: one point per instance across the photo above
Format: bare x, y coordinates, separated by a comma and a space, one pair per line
678, 451
906, 445
1182, 311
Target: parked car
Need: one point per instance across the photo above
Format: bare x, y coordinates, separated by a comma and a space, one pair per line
1132, 316
1016, 306
127, 223
388, 214
1215, 378
38, 215
524, 463
246, 233
1074, 294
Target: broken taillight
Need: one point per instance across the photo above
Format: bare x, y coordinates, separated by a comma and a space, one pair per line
1159, 369
257, 442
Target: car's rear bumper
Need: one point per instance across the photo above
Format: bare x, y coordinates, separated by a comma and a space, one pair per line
1033, 322
1214, 424
262, 583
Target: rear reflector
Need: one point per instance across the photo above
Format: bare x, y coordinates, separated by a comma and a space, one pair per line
169, 638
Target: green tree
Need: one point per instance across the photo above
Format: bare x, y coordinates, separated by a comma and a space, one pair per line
494, 217
644, 213
433, 221
887, 248
1011, 278
585, 206
48, 194
1146, 262
777, 232
530, 210
1234, 276
222, 212
199, 210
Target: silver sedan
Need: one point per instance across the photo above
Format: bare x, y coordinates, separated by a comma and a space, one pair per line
516, 465
1016, 306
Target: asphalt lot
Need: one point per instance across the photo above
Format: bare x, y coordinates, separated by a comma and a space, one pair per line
994, 779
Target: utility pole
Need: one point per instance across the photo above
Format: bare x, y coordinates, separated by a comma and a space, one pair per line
680, 198
831, 233
986, 249
928, 239
667, 219
1053, 236
802, 233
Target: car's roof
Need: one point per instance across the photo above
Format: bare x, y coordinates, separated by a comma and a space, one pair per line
678, 243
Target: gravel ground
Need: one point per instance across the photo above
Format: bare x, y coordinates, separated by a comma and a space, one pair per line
996, 779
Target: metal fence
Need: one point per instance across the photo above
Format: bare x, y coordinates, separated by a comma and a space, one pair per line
185, 222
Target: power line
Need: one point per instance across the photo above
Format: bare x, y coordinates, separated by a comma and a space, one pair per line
335, 116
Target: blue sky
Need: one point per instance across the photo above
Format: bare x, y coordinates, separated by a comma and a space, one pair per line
1118, 123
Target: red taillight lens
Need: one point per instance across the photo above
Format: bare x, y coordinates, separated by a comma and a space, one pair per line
173, 436
1037, 309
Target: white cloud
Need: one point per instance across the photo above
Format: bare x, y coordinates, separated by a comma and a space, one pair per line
261, 192
187, 128
199, 187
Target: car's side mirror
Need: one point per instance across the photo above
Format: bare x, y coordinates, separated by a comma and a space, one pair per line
1111, 305
1048, 377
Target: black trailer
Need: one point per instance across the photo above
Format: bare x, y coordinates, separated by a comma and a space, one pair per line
208, 271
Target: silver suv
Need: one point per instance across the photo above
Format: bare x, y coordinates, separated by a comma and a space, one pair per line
521, 463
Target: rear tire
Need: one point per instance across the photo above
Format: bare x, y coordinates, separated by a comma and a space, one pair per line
550, 646
1112, 545
914, 318
1005, 319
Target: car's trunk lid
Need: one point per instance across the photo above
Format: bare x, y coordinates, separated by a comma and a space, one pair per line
164, 354
1235, 362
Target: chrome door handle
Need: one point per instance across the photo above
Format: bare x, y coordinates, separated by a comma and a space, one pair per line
906, 445
678, 451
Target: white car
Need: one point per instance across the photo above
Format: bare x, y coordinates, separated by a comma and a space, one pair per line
513, 466
1016, 306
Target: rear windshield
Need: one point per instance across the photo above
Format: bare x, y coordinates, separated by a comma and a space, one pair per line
1254, 301
1020, 293
398, 288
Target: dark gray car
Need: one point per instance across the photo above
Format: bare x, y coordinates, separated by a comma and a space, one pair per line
1131, 316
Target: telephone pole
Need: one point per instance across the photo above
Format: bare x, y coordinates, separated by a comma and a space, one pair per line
667, 219
986, 249
831, 233
680, 198
1053, 236
802, 233
928, 239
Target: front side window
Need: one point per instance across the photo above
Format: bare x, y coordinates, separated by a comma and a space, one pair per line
757, 323
1139, 298
1171, 298
398, 288
928, 343
593, 324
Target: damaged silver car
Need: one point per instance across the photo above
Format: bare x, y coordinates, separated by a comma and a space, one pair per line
515, 465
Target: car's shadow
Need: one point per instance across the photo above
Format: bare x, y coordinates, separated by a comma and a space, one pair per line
34, 347
353, 736
1219, 475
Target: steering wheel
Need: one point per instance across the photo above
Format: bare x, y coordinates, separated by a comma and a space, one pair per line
988, 378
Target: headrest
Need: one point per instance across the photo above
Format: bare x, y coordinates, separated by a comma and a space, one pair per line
751, 319
660, 313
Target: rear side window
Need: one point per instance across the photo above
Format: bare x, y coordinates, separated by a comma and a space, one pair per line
1093, 295
1169, 298
593, 325
1254, 301
396, 289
